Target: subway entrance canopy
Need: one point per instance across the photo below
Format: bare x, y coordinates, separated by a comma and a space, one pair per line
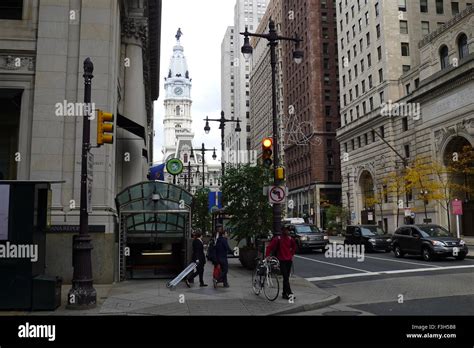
154, 229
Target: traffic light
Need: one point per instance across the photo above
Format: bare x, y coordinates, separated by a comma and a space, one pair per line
105, 127
267, 151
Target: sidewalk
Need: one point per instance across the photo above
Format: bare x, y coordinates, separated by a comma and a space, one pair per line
152, 297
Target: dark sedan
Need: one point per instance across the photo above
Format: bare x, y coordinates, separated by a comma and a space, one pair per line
429, 241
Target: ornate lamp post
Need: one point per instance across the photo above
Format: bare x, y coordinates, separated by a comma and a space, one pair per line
203, 153
82, 295
273, 38
222, 122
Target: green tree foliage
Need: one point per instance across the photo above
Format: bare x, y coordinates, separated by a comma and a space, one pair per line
251, 214
337, 217
201, 215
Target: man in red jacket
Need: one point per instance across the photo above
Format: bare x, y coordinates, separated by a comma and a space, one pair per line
286, 248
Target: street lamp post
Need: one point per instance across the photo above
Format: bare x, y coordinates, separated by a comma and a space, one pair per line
82, 294
222, 121
272, 37
187, 179
203, 152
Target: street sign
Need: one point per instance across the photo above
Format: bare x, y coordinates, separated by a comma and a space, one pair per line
407, 212
215, 200
276, 194
90, 173
370, 216
457, 207
412, 215
174, 166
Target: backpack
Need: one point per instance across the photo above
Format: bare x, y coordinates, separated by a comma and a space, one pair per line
211, 251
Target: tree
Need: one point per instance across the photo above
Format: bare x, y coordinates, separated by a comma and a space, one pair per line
378, 199
420, 177
250, 211
337, 217
396, 187
201, 214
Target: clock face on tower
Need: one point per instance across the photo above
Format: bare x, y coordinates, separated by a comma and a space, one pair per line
178, 91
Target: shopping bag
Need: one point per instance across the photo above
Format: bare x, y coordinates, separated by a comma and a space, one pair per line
217, 272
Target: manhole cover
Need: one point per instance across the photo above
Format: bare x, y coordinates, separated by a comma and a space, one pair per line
342, 313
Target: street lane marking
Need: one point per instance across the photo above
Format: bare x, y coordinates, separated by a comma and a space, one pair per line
332, 264
392, 260
315, 279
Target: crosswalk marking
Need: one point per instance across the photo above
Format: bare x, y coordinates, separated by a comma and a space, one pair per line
393, 260
332, 264
341, 276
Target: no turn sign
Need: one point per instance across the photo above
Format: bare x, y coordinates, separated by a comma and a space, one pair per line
276, 194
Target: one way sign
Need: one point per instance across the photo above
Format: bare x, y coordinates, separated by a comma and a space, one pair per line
276, 194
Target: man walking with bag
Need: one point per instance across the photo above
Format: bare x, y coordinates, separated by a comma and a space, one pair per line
285, 248
199, 258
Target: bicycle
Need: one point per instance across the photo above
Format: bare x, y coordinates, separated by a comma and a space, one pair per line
265, 277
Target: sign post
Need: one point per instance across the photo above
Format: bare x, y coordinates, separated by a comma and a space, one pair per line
457, 210
174, 167
276, 194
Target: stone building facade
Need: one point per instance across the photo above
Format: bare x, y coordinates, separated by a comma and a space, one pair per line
375, 142
43, 45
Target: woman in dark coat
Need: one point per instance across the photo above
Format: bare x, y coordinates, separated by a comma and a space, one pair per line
222, 250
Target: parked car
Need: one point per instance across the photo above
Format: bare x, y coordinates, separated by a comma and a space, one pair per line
308, 237
429, 241
371, 236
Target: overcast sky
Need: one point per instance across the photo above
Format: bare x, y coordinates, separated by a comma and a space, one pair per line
203, 23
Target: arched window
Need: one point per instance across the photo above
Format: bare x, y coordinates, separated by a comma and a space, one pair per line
185, 158
443, 56
462, 46
178, 110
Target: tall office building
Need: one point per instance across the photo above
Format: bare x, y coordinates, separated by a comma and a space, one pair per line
247, 13
261, 123
379, 44
310, 92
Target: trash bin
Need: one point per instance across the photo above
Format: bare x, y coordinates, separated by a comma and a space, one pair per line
46, 294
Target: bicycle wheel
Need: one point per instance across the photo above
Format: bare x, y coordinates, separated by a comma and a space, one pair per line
271, 286
256, 282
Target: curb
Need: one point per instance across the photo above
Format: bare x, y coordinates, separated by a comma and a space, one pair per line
333, 299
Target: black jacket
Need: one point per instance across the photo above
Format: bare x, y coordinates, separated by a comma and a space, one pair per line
198, 252
222, 249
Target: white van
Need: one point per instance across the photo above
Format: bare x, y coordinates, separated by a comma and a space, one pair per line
294, 221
